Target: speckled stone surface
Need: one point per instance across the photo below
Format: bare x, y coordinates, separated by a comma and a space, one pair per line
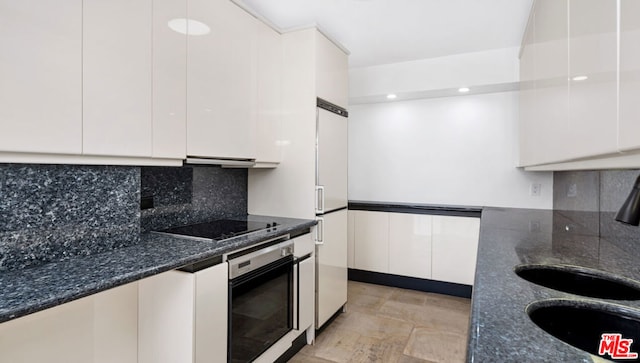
31, 290
192, 194
500, 329
52, 212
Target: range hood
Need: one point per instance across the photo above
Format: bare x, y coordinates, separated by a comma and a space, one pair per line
231, 163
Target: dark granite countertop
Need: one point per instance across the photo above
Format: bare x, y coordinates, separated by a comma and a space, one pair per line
416, 208
30, 290
500, 330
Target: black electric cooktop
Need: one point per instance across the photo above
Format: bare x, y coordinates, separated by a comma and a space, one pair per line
218, 229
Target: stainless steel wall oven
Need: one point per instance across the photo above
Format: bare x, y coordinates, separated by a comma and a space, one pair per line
261, 299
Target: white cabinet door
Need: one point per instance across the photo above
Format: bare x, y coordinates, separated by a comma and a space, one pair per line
549, 130
116, 325
183, 316
629, 124
332, 162
166, 310
169, 81
62, 334
41, 76
410, 245
455, 246
303, 246
269, 106
100, 328
306, 293
527, 95
371, 241
331, 264
332, 76
211, 314
117, 77
221, 92
351, 239
593, 102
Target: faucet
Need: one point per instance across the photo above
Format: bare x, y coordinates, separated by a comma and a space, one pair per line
629, 213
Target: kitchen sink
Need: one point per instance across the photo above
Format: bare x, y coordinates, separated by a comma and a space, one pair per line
581, 281
583, 323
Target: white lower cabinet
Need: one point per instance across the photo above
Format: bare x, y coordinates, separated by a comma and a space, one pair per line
371, 241
410, 245
455, 247
183, 316
331, 266
101, 328
442, 248
303, 246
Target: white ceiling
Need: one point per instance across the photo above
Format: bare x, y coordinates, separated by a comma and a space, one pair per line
390, 31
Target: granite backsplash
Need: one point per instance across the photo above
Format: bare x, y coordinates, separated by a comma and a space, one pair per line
53, 212
602, 192
192, 194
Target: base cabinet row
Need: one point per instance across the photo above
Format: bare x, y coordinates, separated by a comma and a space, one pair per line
171, 317
433, 247
102, 328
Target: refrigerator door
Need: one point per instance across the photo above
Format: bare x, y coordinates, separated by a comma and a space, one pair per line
331, 265
331, 163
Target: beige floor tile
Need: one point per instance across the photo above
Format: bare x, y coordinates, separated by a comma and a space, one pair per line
409, 359
436, 346
376, 326
377, 350
301, 358
427, 316
337, 347
365, 303
409, 297
356, 287
449, 302
391, 325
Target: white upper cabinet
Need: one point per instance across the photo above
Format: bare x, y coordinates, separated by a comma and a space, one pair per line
600, 99
629, 123
117, 77
593, 103
527, 95
550, 56
41, 76
169, 80
221, 75
332, 75
269, 103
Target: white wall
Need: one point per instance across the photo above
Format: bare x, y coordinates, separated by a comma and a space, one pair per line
454, 150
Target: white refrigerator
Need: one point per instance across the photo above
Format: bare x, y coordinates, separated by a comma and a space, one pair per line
331, 210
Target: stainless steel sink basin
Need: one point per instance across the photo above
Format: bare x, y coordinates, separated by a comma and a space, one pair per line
583, 323
581, 281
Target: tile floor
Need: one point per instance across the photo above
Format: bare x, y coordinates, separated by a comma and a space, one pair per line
387, 324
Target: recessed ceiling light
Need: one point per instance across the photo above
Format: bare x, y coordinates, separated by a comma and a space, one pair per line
188, 26
391, 96
580, 78
463, 89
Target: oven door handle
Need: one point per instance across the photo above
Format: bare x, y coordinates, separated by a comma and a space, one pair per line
239, 280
